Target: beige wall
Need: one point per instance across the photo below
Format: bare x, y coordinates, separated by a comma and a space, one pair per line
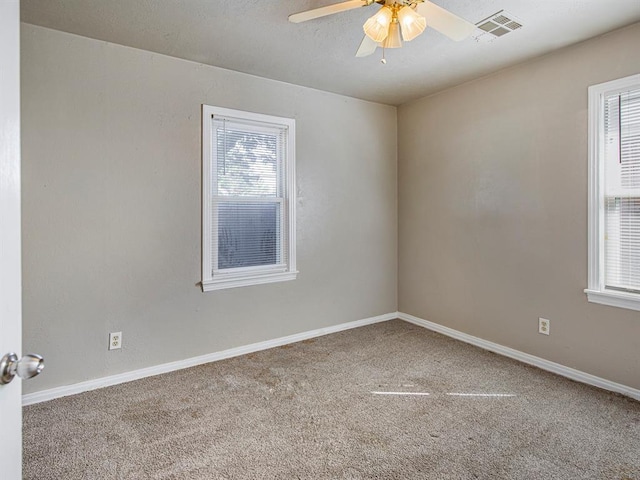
493, 210
111, 209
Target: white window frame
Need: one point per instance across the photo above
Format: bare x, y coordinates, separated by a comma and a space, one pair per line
213, 279
596, 291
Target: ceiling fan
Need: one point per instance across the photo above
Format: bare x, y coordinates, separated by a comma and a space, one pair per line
395, 21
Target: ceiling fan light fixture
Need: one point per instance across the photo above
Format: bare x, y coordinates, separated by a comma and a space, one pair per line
411, 22
377, 27
393, 40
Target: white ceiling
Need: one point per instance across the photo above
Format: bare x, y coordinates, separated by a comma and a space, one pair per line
254, 36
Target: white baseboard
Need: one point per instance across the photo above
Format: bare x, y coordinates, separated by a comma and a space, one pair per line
50, 394
577, 375
571, 373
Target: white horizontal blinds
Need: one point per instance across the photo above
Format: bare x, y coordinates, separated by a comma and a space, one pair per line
249, 214
622, 190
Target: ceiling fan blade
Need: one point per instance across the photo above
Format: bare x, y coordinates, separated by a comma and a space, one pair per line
367, 47
445, 22
328, 10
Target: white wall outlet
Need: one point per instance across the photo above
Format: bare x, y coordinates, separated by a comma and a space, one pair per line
544, 326
115, 340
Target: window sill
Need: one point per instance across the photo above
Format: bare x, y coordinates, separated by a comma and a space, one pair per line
247, 280
629, 301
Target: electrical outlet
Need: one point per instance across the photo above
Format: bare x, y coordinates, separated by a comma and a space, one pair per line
544, 326
115, 340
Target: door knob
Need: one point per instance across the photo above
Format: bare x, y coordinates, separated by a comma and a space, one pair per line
28, 366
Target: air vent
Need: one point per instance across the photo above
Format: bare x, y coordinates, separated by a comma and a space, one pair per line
501, 19
497, 25
498, 32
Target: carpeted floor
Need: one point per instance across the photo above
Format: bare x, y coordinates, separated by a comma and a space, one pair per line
316, 410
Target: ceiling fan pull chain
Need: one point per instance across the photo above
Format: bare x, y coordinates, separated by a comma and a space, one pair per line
384, 60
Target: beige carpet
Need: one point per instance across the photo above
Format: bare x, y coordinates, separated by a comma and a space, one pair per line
310, 411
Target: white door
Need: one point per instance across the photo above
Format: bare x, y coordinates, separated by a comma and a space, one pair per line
10, 291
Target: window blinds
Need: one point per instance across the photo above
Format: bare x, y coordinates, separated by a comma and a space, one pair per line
622, 190
248, 197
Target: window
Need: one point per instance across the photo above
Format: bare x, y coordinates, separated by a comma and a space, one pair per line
248, 198
614, 193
